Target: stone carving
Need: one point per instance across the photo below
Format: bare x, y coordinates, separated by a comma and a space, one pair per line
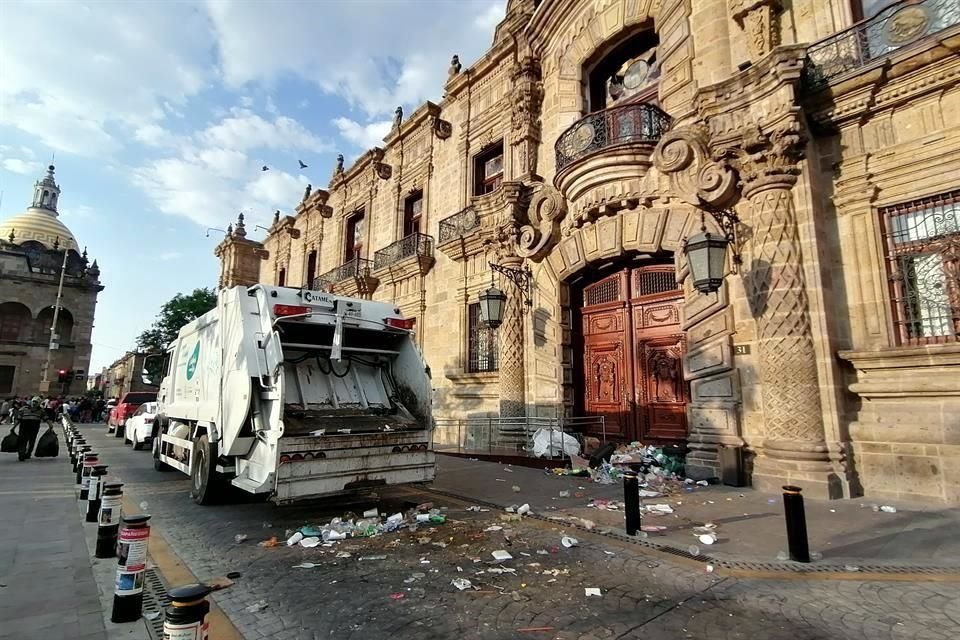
339, 168
777, 290
442, 128
397, 118
241, 229
683, 156
455, 66
525, 114
907, 24
546, 211
384, 170
276, 216
759, 19
306, 192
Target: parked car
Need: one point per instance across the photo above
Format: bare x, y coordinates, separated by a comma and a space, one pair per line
125, 409
139, 427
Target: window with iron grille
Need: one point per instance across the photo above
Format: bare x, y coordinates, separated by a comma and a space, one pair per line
488, 169
923, 260
482, 345
412, 208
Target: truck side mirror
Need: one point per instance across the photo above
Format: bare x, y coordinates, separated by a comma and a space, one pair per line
145, 377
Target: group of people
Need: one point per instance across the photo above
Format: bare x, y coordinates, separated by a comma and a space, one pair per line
28, 413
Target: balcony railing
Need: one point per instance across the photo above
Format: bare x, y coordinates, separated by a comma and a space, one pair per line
893, 28
629, 123
415, 244
459, 224
354, 268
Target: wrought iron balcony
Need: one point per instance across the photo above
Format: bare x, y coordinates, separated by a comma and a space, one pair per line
354, 268
415, 244
895, 27
458, 225
625, 124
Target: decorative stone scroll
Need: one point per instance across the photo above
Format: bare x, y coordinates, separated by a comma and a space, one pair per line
695, 177
545, 212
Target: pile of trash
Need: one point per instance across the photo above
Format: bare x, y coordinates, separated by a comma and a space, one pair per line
371, 524
649, 458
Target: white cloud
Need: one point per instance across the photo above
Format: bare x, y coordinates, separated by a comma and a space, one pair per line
138, 59
170, 255
244, 129
76, 212
378, 53
23, 167
153, 135
364, 136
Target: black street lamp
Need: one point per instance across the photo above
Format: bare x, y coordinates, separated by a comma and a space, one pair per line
707, 252
493, 301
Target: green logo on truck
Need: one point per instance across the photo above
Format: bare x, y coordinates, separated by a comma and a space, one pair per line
192, 362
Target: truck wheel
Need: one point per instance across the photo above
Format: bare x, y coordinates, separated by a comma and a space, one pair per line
158, 464
206, 484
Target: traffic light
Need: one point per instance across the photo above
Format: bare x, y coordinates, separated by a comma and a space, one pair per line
63, 375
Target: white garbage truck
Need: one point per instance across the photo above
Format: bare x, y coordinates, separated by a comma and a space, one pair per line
294, 394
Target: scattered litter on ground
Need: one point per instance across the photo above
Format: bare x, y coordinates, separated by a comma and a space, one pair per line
240, 537
709, 568
269, 543
294, 539
564, 494
523, 509
515, 488
266, 525
569, 542
376, 557
703, 483
652, 528
500, 570
783, 556
310, 542
306, 565
886, 508
554, 444
851, 568
343, 554
816, 555
707, 538
397, 596
647, 493
152, 616
508, 470
500, 555
592, 591
371, 513
259, 605
462, 584
494, 528
609, 553
658, 509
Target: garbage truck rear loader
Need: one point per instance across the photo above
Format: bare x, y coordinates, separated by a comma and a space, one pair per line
295, 394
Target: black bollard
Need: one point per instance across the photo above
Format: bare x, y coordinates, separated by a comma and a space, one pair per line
95, 491
186, 615
631, 502
108, 520
82, 450
75, 449
796, 518
89, 462
131, 566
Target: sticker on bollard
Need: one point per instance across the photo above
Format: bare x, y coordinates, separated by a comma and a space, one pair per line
185, 618
95, 491
89, 462
108, 520
131, 567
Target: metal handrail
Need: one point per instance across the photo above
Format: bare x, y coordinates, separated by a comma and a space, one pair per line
459, 224
415, 244
512, 436
637, 122
893, 28
356, 267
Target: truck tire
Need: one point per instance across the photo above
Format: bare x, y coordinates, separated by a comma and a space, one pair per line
158, 464
207, 486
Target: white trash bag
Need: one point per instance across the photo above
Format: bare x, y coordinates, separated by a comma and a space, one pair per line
553, 443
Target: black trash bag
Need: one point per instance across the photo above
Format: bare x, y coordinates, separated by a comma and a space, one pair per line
10, 442
48, 446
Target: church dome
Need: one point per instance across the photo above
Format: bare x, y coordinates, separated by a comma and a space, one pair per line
40, 221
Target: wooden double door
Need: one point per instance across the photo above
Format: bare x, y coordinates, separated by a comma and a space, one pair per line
632, 359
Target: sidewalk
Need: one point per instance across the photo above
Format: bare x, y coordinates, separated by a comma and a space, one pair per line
47, 577
750, 524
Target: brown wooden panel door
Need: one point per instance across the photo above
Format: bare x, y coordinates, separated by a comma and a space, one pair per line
662, 391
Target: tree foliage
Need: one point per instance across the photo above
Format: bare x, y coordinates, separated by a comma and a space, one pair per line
178, 311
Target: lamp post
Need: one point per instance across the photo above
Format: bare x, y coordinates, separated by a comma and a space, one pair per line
54, 345
707, 252
493, 301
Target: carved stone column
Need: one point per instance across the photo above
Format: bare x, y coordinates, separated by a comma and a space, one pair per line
510, 344
794, 450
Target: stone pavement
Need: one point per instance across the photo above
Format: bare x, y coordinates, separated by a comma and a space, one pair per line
398, 586
750, 523
47, 585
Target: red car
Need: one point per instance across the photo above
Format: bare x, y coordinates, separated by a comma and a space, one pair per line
127, 406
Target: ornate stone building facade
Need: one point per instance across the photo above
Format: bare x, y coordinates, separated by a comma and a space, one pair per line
35, 248
589, 142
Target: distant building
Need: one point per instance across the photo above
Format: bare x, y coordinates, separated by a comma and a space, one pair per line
124, 376
32, 248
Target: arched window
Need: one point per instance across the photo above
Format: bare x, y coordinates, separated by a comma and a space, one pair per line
14, 318
625, 72
46, 197
64, 326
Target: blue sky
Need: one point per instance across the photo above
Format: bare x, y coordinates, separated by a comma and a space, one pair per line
160, 115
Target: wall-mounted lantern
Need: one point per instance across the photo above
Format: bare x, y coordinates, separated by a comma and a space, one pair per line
707, 252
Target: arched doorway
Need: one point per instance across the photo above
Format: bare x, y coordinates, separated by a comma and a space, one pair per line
629, 349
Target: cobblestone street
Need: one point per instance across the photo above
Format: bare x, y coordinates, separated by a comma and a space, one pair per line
409, 593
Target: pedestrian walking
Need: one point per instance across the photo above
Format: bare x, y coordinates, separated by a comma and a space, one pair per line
5, 411
29, 423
